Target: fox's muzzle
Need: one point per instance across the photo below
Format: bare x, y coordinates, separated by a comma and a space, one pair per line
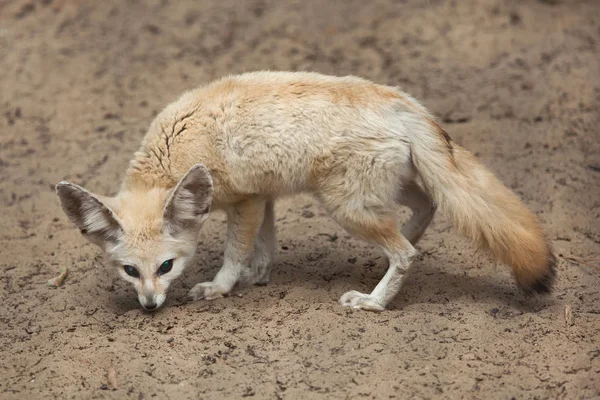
151, 302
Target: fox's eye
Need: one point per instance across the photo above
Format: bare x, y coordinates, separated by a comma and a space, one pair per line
131, 271
165, 267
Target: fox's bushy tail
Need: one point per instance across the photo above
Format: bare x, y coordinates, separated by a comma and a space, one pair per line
483, 209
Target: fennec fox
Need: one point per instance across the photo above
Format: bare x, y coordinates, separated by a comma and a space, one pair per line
240, 142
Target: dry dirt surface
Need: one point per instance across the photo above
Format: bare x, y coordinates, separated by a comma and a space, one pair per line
516, 82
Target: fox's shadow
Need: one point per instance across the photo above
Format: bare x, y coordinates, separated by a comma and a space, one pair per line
427, 282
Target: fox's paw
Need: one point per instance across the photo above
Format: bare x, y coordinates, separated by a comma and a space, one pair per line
260, 276
208, 291
260, 268
263, 279
360, 301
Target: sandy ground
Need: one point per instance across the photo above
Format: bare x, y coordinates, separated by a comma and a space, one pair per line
517, 82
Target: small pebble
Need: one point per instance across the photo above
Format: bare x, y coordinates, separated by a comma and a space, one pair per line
58, 280
248, 392
568, 315
111, 377
31, 329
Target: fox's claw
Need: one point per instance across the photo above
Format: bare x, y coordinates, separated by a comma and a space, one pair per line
208, 291
361, 301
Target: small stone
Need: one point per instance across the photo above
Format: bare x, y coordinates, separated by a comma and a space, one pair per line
31, 329
308, 214
111, 377
568, 315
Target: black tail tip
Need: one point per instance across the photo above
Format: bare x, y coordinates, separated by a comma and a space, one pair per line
545, 283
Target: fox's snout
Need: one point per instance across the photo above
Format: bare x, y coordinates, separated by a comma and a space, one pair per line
149, 298
151, 302
148, 302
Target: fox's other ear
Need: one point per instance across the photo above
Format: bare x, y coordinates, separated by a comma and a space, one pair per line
189, 203
97, 222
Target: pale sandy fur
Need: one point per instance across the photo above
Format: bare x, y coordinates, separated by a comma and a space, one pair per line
361, 148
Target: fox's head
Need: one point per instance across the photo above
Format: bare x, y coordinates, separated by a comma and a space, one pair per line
148, 234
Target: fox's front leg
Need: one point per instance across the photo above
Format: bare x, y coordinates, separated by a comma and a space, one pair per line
243, 222
264, 248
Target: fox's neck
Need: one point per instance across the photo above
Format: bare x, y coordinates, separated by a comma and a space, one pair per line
149, 169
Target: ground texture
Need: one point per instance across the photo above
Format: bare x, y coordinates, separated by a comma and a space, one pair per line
516, 82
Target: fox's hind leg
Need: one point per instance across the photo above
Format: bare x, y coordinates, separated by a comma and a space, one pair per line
400, 253
264, 248
360, 191
373, 219
243, 222
422, 208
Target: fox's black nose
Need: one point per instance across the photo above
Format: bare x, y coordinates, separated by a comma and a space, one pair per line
150, 306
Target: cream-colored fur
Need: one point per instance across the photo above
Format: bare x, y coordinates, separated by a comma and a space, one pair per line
242, 141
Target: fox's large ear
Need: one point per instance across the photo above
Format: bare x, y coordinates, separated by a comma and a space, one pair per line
189, 203
97, 222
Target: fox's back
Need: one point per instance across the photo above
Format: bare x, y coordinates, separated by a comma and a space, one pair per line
281, 131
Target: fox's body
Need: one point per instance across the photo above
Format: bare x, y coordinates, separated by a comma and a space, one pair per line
272, 134
361, 148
